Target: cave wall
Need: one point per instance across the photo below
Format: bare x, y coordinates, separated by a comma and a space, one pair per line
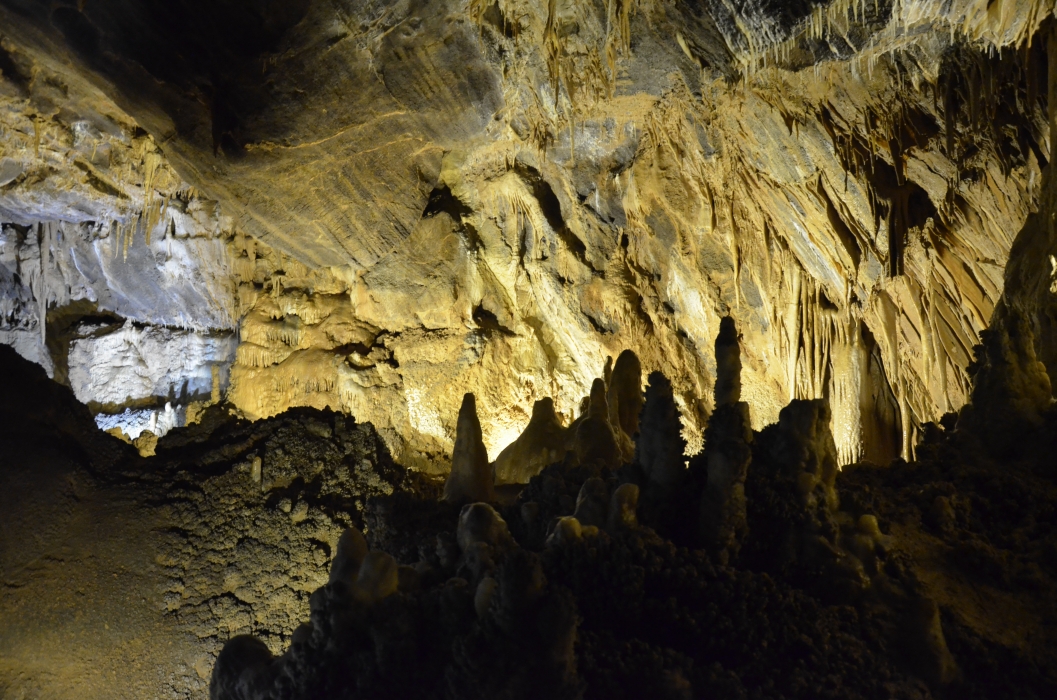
115, 274
416, 200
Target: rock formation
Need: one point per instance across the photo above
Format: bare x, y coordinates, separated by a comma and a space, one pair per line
471, 476
625, 394
504, 194
542, 443
660, 448
594, 439
728, 364
572, 590
728, 453
316, 260
727, 456
350, 554
793, 472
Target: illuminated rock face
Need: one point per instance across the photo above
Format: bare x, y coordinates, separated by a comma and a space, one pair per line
427, 199
115, 275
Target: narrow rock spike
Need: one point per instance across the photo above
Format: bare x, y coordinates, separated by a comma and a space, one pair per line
471, 476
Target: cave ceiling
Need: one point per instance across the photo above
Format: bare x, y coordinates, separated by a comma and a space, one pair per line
377, 206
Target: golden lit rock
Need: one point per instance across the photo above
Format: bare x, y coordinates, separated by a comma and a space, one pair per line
471, 476
314, 262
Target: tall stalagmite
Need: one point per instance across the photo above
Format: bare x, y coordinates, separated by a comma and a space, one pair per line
728, 452
470, 479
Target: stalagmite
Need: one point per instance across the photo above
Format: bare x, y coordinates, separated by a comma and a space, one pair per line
728, 452
599, 407
351, 551
482, 598
622, 508
241, 670
928, 645
566, 530
507, 198
471, 477
541, 443
594, 440
795, 463
592, 503
480, 523
728, 363
660, 447
378, 577
625, 393
1011, 389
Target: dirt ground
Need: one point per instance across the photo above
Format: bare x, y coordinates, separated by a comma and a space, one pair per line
121, 577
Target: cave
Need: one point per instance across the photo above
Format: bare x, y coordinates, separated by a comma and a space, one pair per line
579, 349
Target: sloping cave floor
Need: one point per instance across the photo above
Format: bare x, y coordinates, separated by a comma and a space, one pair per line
122, 577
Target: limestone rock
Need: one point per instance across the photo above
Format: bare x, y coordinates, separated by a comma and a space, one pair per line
728, 454
542, 442
660, 447
599, 406
115, 368
622, 508
728, 363
480, 523
378, 577
349, 555
1012, 388
625, 393
592, 503
407, 205
790, 489
596, 443
566, 530
241, 670
471, 476
146, 443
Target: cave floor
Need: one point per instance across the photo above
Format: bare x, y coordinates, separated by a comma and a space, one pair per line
80, 613
123, 577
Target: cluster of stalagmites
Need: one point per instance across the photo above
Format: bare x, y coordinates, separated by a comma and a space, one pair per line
614, 527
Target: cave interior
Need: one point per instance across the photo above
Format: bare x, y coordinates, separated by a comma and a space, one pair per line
575, 349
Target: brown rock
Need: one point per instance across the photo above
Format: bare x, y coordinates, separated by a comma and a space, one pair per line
470, 479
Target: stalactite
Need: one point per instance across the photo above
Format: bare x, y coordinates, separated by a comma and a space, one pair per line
941, 353
794, 336
151, 212
849, 382
42, 292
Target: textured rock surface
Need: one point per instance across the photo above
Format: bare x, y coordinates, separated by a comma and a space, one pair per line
156, 362
925, 580
513, 193
97, 230
471, 478
496, 196
123, 579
